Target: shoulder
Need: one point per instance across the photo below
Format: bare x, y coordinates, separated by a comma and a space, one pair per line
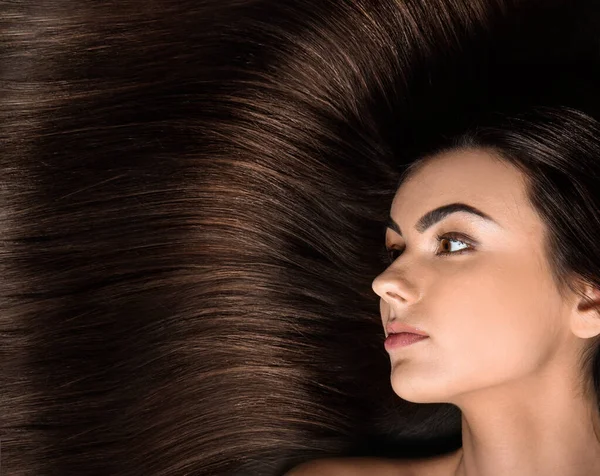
352, 467
441, 465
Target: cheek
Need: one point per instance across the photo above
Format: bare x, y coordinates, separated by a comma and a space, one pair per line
492, 324
504, 317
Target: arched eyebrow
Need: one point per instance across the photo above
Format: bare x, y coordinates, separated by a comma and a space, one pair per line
437, 214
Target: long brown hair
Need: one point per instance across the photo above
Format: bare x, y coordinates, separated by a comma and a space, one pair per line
192, 202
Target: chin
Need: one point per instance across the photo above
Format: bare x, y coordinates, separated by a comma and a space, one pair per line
420, 390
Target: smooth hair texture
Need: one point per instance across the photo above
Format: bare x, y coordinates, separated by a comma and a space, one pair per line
191, 211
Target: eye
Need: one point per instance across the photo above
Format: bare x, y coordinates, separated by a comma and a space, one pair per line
391, 254
452, 237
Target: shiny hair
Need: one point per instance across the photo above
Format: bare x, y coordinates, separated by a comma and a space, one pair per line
192, 201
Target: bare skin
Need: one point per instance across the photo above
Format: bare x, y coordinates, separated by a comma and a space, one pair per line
504, 344
438, 466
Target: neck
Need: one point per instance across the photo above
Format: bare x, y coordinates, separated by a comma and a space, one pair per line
531, 428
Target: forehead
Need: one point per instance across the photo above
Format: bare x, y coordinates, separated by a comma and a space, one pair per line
473, 176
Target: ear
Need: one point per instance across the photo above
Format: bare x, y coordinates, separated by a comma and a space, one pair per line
585, 319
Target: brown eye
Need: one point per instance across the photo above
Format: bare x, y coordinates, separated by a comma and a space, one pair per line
393, 254
446, 241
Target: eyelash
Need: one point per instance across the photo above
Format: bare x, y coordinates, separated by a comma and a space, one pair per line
452, 236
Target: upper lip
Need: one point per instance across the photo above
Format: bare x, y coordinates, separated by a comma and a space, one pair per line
398, 327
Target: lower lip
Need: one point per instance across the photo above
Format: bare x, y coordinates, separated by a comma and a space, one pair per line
395, 341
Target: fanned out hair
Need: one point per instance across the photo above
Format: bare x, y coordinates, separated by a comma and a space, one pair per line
192, 202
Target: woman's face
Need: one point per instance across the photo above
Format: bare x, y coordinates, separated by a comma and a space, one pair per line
493, 312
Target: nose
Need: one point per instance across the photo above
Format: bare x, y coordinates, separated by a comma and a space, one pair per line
393, 289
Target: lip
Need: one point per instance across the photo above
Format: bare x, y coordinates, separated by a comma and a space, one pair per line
403, 339
400, 328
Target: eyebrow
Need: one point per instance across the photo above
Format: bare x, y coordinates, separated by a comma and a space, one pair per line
438, 214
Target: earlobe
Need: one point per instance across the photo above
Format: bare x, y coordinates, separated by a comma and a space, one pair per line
585, 322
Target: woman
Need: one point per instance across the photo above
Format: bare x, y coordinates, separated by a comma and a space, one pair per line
493, 252
517, 345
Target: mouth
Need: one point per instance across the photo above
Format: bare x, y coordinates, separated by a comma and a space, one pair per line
402, 339
396, 327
